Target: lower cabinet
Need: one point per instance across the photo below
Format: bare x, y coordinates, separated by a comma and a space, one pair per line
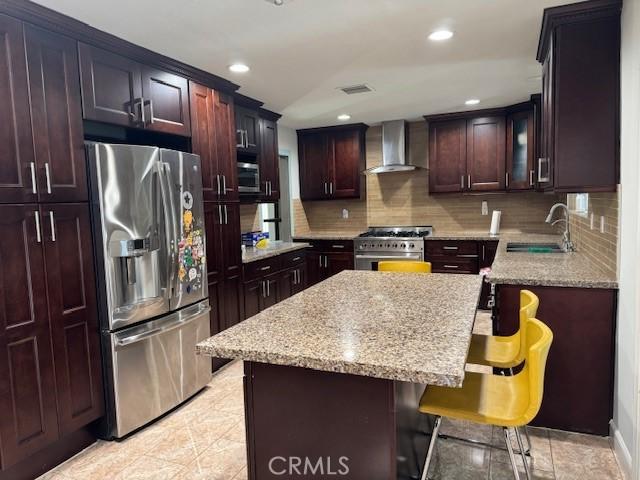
273, 280
325, 258
462, 256
50, 376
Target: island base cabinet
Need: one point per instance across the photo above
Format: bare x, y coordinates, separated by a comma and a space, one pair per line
578, 387
325, 424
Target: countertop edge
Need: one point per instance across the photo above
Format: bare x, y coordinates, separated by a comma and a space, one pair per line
262, 254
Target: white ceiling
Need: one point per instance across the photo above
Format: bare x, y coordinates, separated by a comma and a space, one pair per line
299, 53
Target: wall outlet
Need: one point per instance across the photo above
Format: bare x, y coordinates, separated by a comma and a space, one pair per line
485, 208
591, 221
345, 213
601, 223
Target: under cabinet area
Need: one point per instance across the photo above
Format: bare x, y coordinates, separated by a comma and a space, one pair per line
332, 161
269, 281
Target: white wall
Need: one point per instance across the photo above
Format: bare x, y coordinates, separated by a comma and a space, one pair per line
625, 421
288, 146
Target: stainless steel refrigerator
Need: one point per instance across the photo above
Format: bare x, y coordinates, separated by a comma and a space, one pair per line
148, 224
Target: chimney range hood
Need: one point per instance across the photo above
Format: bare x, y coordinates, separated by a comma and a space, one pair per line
395, 148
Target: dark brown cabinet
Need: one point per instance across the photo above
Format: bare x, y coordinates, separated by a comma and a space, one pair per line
579, 49
520, 170
332, 162
326, 258
121, 91
269, 160
212, 127
247, 130
485, 154
48, 267
447, 156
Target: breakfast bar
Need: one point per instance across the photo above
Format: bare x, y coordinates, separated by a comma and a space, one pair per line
333, 374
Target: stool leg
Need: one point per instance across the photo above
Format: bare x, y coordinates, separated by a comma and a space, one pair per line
432, 444
526, 432
516, 475
522, 454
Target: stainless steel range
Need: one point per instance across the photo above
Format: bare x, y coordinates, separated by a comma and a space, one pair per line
389, 243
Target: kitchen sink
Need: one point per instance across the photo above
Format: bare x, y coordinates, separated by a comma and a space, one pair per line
534, 247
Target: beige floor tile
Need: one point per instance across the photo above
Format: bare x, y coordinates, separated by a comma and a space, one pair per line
182, 446
103, 462
237, 433
466, 430
222, 461
149, 468
584, 456
242, 475
503, 471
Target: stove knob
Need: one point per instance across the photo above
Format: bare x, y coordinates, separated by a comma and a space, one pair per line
395, 245
411, 245
380, 245
402, 245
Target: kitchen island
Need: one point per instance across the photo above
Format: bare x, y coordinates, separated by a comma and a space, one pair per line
333, 374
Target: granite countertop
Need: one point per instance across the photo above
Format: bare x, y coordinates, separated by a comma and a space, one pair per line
400, 326
328, 236
274, 248
546, 269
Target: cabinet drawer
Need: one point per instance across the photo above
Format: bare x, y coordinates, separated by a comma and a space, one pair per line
451, 248
454, 265
292, 258
261, 268
330, 245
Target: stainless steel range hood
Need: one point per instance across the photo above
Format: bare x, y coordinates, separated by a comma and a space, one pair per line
395, 148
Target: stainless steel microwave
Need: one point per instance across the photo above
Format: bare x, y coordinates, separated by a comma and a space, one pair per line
248, 178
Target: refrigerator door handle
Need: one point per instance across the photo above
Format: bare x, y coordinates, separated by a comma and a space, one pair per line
168, 202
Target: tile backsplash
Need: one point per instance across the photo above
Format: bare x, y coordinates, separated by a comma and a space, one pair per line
403, 198
600, 247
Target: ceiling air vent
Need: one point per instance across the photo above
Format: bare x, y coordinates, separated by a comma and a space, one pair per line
353, 89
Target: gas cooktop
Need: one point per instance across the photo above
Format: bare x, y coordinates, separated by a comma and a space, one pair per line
398, 232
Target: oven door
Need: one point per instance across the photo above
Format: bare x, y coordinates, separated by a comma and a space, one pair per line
369, 261
248, 178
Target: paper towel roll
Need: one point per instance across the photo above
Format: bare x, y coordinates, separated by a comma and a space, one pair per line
495, 222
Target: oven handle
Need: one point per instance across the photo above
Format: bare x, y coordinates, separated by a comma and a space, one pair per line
396, 257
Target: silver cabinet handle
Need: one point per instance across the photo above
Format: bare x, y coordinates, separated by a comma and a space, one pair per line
469, 182
246, 139
326, 261
531, 172
38, 234
320, 261
330, 188
47, 173
226, 216
264, 290
239, 144
337, 246
451, 266
143, 117
449, 248
150, 111
268, 289
325, 189
224, 184
218, 180
220, 214
541, 177
506, 179
34, 188
484, 257
462, 182
264, 269
295, 259
52, 223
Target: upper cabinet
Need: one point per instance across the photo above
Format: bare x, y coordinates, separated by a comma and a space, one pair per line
212, 127
269, 158
483, 150
579, 49
247, 130
121, 91
39, 88
332, 161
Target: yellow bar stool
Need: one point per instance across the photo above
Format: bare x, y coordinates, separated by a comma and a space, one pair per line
402, 266
503, 401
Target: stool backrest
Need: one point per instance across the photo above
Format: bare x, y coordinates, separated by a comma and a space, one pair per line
404, 266
529, 303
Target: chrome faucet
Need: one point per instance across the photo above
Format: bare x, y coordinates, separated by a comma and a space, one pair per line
567, 244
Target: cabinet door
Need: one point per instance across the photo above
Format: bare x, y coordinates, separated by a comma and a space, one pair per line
231, 239
166, 102
213, 217
545, 162
253, 292
225, 145
216, 316
203, 137
27, 379
56, 115
447, 156
17, 159
248, 123
337, 262
486, 154
233, 301
286, 284
111, 87
314, 169
272, 291
346, 162
301, 284
269, 160
520, 151
73, 314
315, 268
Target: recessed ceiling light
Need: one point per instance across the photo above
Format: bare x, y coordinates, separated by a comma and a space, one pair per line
239, 68
440, 35
344, 117
472, 101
